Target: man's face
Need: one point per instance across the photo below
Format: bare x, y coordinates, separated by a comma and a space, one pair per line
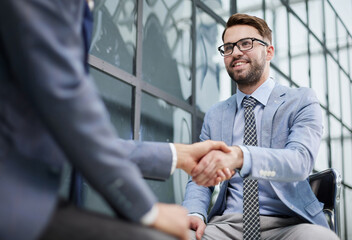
249, 67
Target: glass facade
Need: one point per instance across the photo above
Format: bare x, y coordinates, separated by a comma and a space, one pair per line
157, 68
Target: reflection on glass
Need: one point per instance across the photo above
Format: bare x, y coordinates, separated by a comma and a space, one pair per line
167, 48
213, 83
220, 7
117, 97
114, 38
163, 122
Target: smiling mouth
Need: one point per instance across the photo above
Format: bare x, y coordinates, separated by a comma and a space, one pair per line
239, 64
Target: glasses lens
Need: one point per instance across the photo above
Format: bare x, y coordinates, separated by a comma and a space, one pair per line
227, 49
245, 44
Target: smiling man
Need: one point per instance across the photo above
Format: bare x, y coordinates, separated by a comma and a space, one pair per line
275, 132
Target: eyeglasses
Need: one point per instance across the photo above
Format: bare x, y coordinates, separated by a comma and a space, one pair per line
244, 44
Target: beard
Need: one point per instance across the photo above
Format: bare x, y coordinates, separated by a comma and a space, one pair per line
247, 77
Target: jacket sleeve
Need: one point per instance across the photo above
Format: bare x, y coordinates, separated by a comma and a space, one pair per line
197, 198
292, 153
43, 45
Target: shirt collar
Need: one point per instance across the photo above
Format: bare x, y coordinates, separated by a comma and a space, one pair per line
261, 94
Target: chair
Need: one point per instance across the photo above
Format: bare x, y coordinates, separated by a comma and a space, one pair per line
326, 185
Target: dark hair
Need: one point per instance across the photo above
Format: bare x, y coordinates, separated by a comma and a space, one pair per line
244, 19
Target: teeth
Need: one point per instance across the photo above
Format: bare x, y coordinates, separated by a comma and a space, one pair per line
239, 64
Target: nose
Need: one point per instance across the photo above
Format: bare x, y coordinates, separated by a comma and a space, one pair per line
236, 51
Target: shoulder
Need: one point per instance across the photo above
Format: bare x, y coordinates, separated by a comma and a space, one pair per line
219, 107
297, 95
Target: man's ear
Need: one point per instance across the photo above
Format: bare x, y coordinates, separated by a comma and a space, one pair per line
270, 51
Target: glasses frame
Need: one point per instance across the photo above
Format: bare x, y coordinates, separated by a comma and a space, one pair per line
235, 44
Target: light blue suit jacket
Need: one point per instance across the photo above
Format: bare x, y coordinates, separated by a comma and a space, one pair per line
290, 138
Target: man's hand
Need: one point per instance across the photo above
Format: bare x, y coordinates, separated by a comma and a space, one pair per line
173, 220
197, 225
188, 156
214, 165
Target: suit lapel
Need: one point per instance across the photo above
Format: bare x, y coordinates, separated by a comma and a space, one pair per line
277, 97
228, 118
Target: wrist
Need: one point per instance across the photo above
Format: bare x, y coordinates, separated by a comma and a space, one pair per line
150, 217
238, 156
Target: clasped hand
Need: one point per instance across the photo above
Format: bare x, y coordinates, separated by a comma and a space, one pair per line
209, 162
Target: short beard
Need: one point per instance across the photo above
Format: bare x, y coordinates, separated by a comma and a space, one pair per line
252, 78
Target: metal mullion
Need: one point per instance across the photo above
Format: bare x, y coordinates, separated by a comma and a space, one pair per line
316, 38
327, 85
112, 70
308, 47
209, 11
289, 45
338, 16
171, 99
194, 72
137, 92
341, 113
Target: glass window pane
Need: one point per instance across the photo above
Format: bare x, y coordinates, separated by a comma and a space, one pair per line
248, 7
334, 86
114, 36
299, 8
317, 71
322, 158
342, 44
348, 210
299, 52
347, 144
278, 77
167, 48
117, 97
220, 7
336, 148
315, 10
213, 83
280, 39
346, 99
330, 29
163, 122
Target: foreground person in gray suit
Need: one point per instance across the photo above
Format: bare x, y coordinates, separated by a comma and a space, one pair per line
50, 113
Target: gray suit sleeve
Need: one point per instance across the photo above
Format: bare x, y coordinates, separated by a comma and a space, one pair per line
44, 49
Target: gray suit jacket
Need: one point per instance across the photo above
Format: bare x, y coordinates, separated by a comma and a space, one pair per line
50, 113
290, 138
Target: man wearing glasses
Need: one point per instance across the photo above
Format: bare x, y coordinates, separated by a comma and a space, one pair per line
275, 132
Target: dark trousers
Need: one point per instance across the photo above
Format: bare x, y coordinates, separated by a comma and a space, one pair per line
70, 222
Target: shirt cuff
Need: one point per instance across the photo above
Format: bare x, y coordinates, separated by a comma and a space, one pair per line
198, 215
174, 158
247, 162
150, 216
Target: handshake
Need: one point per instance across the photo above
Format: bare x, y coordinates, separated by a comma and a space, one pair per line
209, 162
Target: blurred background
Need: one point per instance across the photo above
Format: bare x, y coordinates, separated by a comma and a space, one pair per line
156, 65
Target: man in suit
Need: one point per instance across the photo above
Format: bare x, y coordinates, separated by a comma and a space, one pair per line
50, 113
288, 126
